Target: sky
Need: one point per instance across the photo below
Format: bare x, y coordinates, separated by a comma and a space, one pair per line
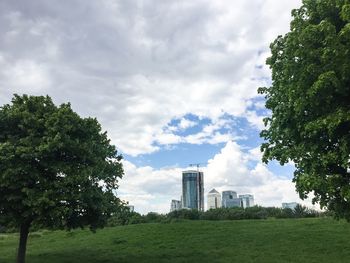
172, 82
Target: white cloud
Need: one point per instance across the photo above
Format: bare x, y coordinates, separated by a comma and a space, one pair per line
185, 123
24, 76
230, 169
149, 189
136, 65
168, 138
255, 154
255, 120
209, 134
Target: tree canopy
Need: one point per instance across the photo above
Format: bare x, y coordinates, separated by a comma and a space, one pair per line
310, 102
56, 168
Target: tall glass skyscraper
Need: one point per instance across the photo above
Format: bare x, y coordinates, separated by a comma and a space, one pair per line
193, 190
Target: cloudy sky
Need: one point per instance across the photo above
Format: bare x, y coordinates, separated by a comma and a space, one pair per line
172, 82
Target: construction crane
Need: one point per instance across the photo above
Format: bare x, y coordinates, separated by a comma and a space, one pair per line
197, 165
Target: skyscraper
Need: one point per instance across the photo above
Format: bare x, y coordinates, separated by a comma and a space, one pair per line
192, 190
175, 205
131, 208
247, 200
290, 205
214, 199
229, 199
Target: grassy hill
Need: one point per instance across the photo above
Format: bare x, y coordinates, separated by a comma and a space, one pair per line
278, 240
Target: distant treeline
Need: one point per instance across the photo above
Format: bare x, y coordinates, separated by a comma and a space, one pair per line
127, 217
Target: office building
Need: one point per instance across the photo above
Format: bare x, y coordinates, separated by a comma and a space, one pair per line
192, 190
290, 205
131, 208
214, 199
247, 200
175, 205
229, 199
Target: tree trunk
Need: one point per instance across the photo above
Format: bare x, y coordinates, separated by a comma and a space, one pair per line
21, 254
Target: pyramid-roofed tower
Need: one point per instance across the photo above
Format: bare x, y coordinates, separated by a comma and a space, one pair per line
213, 191
214, 199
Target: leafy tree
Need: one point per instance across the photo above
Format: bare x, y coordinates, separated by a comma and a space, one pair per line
56, 168
310, 102
273, 211
153, 217
136, 218
255, 212
121, 217
192, 214
300, 211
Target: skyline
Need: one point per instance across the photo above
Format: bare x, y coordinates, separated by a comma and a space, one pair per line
172, 83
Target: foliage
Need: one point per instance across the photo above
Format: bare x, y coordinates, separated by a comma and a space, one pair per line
300, 210
136, 218
121, 217
234, 213
129, 218
56, 169
286, 213
273, 211
256, 212
153, 217
309, 99
191, 214
274, 241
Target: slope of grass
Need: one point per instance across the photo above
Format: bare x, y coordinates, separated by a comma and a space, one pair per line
282, 240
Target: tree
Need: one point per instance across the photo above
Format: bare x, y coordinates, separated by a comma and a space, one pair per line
310, 102
56, 168
300, 211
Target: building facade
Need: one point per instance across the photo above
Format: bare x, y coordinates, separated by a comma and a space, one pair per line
193, 190
290, 205
229, 199
214, 199
247, 200
131, 208
175, 205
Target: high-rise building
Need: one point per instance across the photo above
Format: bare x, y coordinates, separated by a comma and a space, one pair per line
192, 190
175, 205
229, 199
214, 199
247, 200
290, 205
131, 208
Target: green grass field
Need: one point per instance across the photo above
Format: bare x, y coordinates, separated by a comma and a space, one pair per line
279, 240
